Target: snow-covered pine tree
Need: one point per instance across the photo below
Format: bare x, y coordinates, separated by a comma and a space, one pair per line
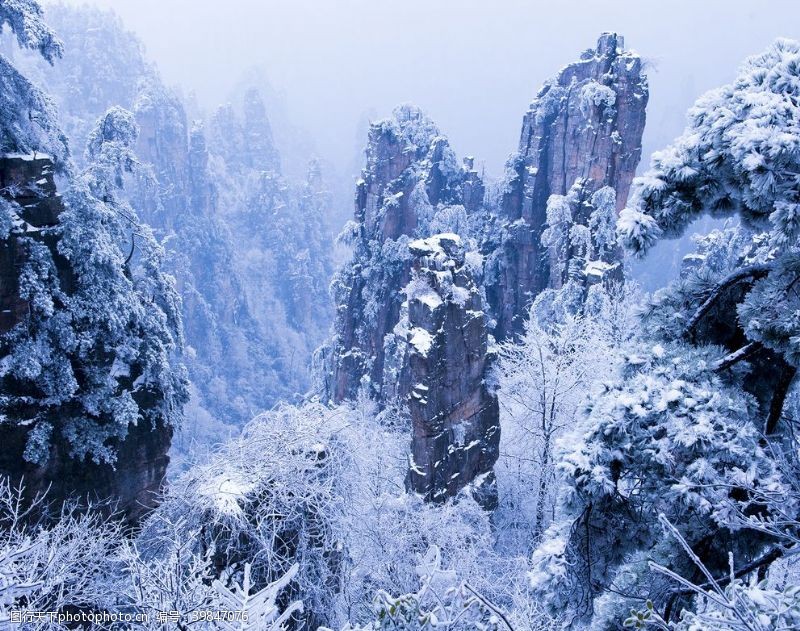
26, 21
89, 348
696, 427
95, 352
28, 120
124, 309
102, 65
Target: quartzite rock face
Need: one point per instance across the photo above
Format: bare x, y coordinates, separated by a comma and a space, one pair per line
410, 179
132, 484
586, 124
580, 145
455, 419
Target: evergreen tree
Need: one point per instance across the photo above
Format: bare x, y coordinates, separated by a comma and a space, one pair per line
96, 351
28, 119
696, 425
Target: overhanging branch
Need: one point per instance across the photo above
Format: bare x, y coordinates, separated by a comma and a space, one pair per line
745, 352
751, 271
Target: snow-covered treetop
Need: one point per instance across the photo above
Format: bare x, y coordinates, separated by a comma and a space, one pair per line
100, 352
111, 142
26, 21
28, 118
409, 124
739, 155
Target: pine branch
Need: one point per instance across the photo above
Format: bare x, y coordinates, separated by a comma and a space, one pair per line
741, 354
752, 271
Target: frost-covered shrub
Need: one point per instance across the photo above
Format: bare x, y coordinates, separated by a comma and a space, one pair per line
548, 101
744, 606
723, 603
414, 125
186, 586
440, 602
74, 562
580, 235
596, 95
269, 498
556, 235
47, 566
669, 437
323, 488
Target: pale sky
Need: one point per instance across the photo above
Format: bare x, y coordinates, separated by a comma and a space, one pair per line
473, 66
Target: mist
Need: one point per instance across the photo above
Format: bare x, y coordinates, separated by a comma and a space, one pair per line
299, 331
472, 66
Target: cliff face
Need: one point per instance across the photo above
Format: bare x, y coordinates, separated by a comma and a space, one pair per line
455, 419
246, 248
585, 126
162, 144
132, 483
28, 182
410, 326
410, 179
553, 227
129, 488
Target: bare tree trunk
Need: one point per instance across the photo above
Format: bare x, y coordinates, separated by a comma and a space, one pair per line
538, 527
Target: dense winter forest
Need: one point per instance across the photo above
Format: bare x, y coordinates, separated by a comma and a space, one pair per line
231, 397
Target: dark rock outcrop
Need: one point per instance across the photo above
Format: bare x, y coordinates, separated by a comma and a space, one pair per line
584, 125
426, 348
132, 483
455, 419
130, 488
411, 175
